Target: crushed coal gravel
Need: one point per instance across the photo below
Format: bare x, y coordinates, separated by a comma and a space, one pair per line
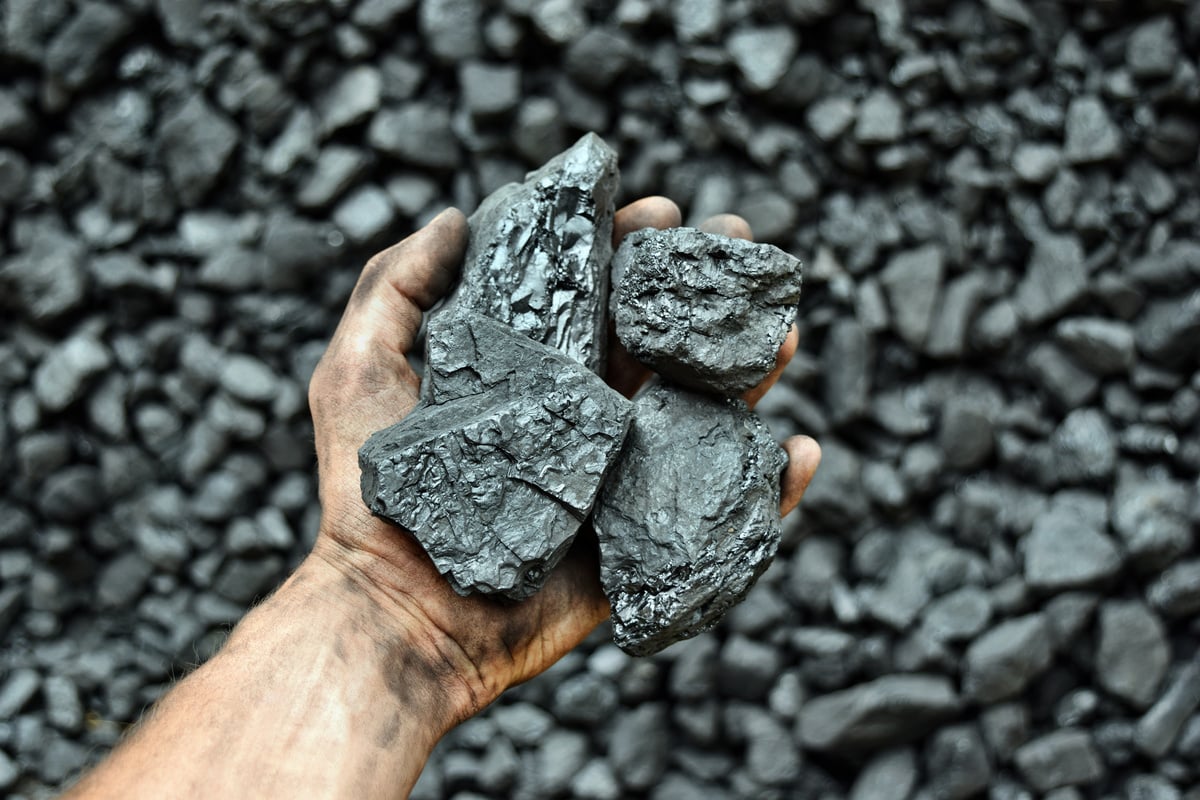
992, 586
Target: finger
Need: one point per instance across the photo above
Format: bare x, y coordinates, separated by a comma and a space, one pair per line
649, 212
398, 284
730, 225
781, 361
804, 455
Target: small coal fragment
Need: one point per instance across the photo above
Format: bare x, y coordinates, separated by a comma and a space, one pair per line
1065, 757
705, 310
678, 550
497, 468
538, 255
886, 711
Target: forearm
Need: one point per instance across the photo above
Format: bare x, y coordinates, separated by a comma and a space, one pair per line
317, 692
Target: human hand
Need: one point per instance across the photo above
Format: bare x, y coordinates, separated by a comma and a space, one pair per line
474, 647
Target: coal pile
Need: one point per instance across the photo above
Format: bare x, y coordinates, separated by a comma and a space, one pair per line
993, 585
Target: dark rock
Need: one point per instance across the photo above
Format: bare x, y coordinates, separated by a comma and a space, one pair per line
1159, 727
747, 669
48, 279
499, 465
1068, 546
965, 435
694, 672
672, 568
195, 142
365, 215
18, 689
63, 376
599, 57
77, 51
538, 132
1064, 757
890, 775
1090, 134
122, 580
352, 98
1061, 378
639, 746
489, 90
887, 711
1100, 345
337, 169
762, 55
1176, 592
1003, 661
242, 580
880, 119
247, 378
705, 310
959, 615
585, 699
1005, 727
1149, 511
559, 21
596, 781
451, 28
71, 494
1054, 278
913, 282
554, 280
957, 763
63, 708
1132, 652
1084, 450
957, 309
1153, 50
772, 758
419, 133
1168, 330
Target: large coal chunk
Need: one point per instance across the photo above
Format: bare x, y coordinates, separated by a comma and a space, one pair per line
708, 311
688, 519
499, 465
539, 253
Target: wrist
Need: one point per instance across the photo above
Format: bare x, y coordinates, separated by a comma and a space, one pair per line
386, 590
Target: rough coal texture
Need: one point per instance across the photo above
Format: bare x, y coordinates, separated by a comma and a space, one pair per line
689, 518
998, 205
500, 464
539, 252
708, 311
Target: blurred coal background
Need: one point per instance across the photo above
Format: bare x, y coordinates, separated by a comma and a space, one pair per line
992, 589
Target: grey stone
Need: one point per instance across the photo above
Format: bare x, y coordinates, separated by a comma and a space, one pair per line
489, 90
1055, 277
419, 133
247, 378
337, 168
71, 494
63, 708
639, 746
957, 309
18, 689
122, 580
830, 117
1132, 652
524, 723
883, 712
1159, 727
847, 361
538, 253
959, 615
707, 311
352, 98
913, 281
1103, 346
1068, 547
694, 671
559, 21
451, 28
379, 16
496, 469
365, 215
9, 771
1069, 385
890, 775
558, 758
1153, 49
965, 435
599, 57
1084, 448
538, 132
196, 142
242, 579
1149, 511
596, 781
1066, 757
772, 757
762, 55
1091, 135
1036, 163
880, 119
1176, 592
78, 49
17, 125
747, 669
63, 375
1151, 787
48, 278
1168, 330
677, 551
957, 763
585, 699
1003, 661
1005, 727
